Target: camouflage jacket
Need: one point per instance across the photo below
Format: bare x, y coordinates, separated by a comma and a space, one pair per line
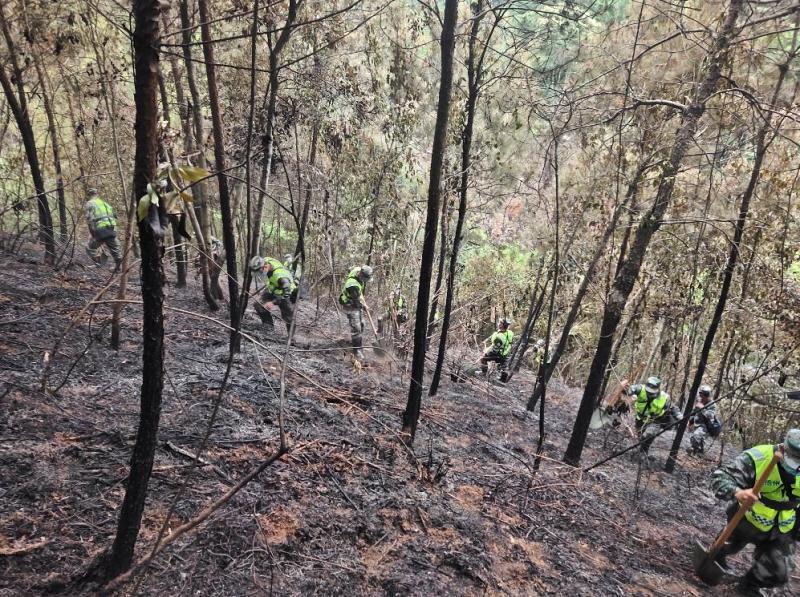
739, 474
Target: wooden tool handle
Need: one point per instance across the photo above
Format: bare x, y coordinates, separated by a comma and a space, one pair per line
726, 532
369, 317
611, 402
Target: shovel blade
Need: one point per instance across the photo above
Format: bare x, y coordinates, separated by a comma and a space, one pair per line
709, 571
599, 419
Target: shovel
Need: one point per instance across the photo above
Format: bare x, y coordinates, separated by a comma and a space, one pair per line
601, 416
707, 568
376, 346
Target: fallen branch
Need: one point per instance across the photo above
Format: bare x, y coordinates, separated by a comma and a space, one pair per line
196, 521
178, 450
24, 549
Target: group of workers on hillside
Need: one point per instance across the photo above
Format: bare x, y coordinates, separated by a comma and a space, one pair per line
770, 522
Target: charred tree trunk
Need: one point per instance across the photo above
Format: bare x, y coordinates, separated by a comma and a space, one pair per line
228, 237
411, 414
537, 299
473, 80
44, 83
730, 266
199, 216
437, 287
19, 108
146, 39
650, 223
177, 239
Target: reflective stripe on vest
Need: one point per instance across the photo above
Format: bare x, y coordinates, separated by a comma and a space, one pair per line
761, 516
350, 282
655, 409
506, 338
102, 214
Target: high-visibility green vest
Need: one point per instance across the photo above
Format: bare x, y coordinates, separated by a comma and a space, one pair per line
101, 214
275, 276
351, 281
760, 515
646, 412
506, 338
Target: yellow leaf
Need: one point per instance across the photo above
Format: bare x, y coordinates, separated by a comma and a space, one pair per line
142, 207
193, 173
187, 197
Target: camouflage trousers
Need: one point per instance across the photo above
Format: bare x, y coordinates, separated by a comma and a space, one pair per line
773, 556
355, 319
110, 242
285, 305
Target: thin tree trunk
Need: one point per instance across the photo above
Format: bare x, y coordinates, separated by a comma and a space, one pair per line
730, 265
146, 49
572, 316
177, 239
267, 143
107, 90
650, 223
300, 247
228, 237
551, 308
473, 81
200, 223
19, 108
411, 414
56, 145
437, 287
537, 300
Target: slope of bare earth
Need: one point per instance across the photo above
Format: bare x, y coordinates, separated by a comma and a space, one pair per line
349, 510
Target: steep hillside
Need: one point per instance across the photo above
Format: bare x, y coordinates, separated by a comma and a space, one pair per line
349, 510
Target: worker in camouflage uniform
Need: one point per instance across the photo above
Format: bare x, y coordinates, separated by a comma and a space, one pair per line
352, 301
499, 348
653, 409
279, 288
102, 224
771, 523
703, 421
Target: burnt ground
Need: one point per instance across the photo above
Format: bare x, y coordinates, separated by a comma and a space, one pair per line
349, 510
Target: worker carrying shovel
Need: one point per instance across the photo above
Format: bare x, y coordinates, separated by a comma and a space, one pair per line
770, 518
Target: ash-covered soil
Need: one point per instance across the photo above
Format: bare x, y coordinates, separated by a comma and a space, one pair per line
350, 510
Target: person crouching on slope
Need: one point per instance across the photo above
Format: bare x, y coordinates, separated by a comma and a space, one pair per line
279, 288
771, 522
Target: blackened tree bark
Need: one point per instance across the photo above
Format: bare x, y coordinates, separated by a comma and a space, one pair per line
437, 287
146, 39
228, 236
474, 70
199, 215
730, 266
650, 223
18, 104
177, 239
55, 145
411, 414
